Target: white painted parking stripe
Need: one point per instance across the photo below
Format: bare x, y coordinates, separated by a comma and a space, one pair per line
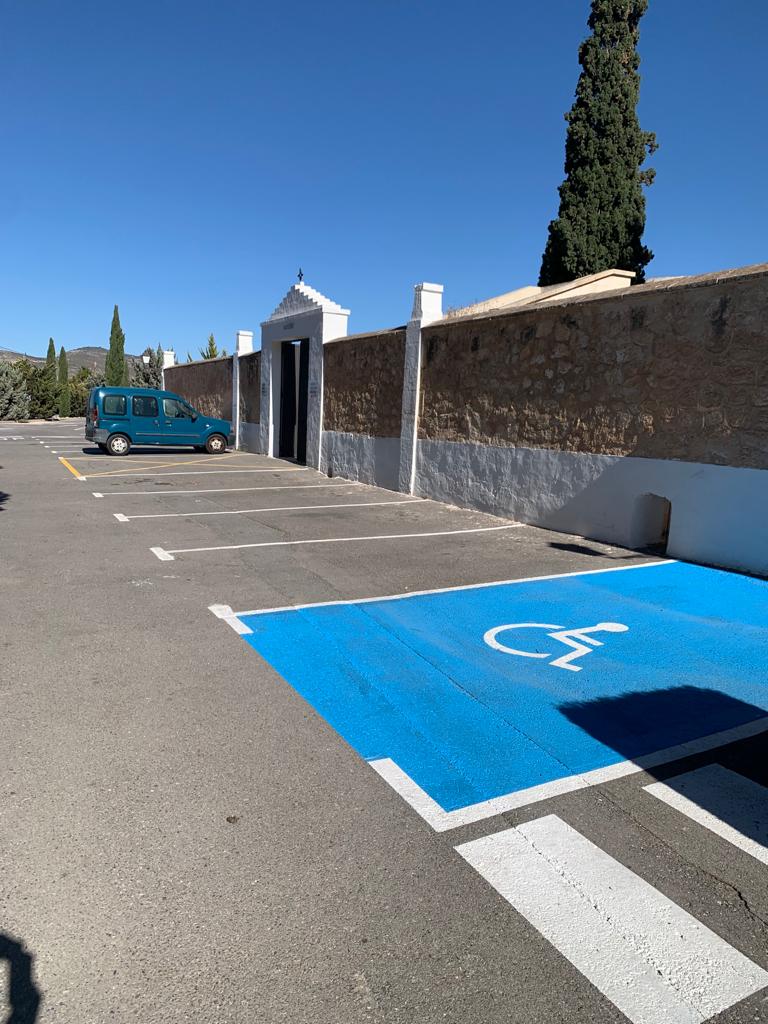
168, 555
118, 474
741, 801
442, 821
224, 612
461, 586
226, 490
654, 961
282, 508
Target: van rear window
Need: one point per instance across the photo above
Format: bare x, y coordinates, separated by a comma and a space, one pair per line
114, 405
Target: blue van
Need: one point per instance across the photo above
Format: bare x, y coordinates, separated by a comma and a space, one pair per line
116, 418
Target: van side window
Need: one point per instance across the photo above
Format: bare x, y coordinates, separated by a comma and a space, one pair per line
144, 405
176, 410
114, 405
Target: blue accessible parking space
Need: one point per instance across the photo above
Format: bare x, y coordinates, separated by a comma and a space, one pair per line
481, 692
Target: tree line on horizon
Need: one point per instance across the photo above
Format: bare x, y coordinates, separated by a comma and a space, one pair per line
30, 391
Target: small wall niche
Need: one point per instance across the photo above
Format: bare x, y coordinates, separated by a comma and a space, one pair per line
650, 527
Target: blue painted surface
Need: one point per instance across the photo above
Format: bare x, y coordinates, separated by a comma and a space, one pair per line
412, 679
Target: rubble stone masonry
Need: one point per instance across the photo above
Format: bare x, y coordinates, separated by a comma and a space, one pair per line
207, 385
249, 367
363, 384
674, 369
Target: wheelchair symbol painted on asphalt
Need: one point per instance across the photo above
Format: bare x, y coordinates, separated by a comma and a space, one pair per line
579, 640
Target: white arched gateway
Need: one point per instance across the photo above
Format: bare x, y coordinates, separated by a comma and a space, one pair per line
292, 372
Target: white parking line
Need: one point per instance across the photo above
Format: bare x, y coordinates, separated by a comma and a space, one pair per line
648, 956
461, 586
442, 821
168, 556
121, 474
283, 508
742, 803
225, 490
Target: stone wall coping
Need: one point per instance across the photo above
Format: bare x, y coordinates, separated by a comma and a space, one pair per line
197, 362
364, 335
637, 291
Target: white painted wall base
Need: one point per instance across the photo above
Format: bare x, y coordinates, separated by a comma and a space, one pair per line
370, 460
250, 437
718, 512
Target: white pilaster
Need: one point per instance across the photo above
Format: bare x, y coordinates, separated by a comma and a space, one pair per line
427, 307
169, 359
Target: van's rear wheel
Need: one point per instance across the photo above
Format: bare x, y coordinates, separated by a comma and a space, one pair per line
216, 444
118, 444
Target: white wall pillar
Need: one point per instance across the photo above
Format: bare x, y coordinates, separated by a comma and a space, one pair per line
169, 359
427, 307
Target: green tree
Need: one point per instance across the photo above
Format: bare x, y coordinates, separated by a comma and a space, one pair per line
148, 375
64, 393
14, 397
211, 350
116, 368
41, 385
601, 219
80, 384
50, 357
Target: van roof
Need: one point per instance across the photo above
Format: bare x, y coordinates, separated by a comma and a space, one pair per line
102, 389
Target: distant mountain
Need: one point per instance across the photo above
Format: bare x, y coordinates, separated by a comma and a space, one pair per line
92, 356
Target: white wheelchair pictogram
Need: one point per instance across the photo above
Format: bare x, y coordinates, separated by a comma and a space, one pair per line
581, 641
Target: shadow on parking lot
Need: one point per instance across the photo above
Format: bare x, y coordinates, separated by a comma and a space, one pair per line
24, 996
634, 723
585, 549
145, 451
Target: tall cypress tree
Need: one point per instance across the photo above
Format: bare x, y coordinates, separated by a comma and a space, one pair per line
43, 385
50, 358
64, 395
115, 369
602, 205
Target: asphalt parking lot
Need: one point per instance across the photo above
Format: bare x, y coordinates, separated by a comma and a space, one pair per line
285, 748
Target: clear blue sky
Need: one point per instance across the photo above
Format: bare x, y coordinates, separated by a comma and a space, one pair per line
184, 158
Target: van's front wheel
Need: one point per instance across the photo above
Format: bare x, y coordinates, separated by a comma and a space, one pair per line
118, 444
216, 444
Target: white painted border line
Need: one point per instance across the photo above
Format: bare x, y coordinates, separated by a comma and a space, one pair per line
228, 490
461, 586
282, 508
225, 613
168, 556
120, 474
653, 960
693, 792
442, 821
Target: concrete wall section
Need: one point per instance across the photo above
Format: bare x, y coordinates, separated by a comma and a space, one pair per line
369, 460
207, 385
717, 512
363, 381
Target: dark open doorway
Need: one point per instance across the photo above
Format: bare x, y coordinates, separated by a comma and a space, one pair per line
294, 393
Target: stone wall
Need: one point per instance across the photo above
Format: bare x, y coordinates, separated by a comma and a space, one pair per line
675, 369
363, 384
207, 385
250, 387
